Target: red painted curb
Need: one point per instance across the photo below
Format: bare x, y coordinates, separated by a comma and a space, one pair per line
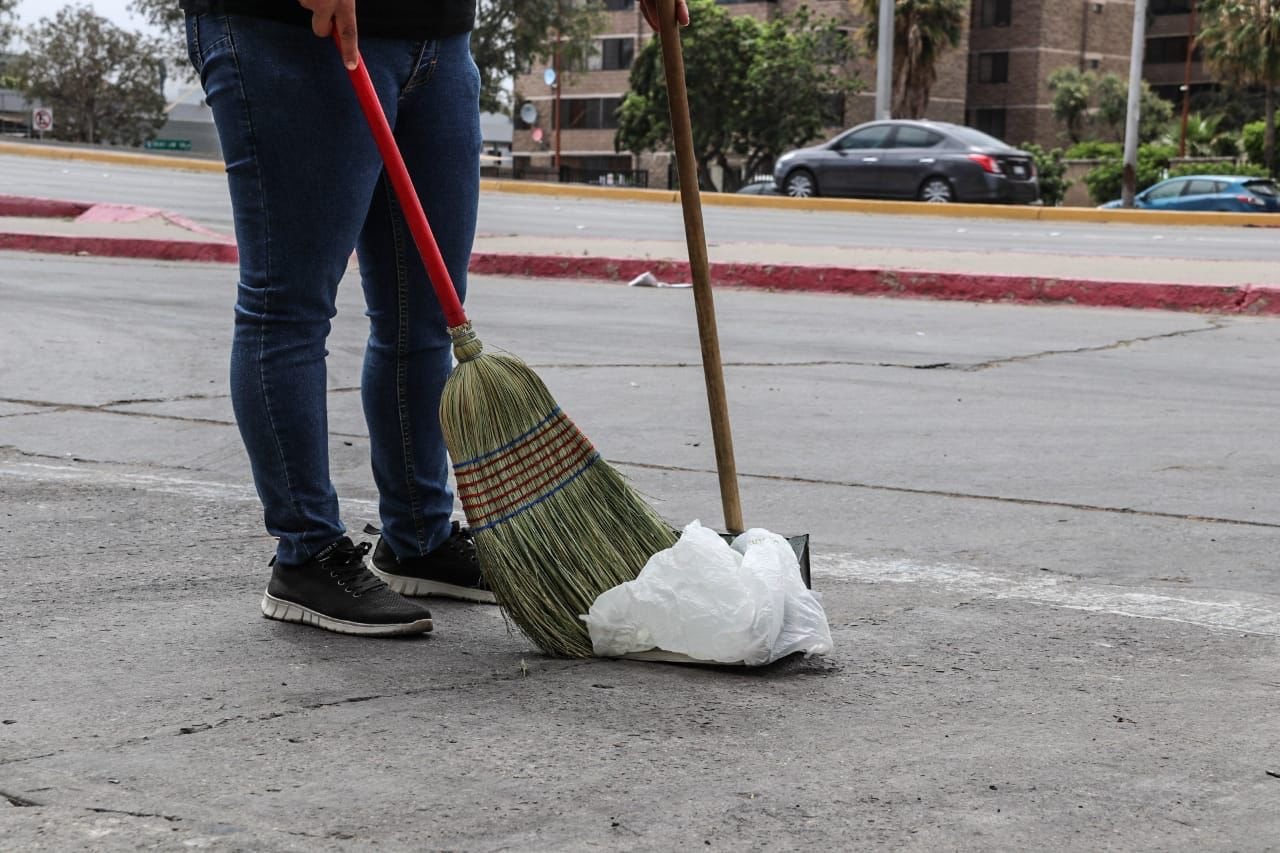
912, 284
17, 205
117, 247
856, 281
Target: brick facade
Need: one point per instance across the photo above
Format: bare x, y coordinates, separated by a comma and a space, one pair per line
996, 80
1040, 37
595, 146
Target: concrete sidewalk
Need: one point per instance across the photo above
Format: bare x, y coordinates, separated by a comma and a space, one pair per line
1045, 540
1221, 286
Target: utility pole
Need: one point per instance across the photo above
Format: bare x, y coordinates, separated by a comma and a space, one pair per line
558, 85
1186, 80
884, 63
1135, 98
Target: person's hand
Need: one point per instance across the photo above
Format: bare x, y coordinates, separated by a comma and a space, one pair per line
328, 14
650, 10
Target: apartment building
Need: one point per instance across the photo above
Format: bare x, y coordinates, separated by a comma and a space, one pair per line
1015, 47
590, 96
996, 80
1171, 32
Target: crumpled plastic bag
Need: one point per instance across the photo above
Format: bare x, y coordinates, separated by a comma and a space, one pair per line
740, 603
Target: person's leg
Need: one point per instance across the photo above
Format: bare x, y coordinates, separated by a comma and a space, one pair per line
408, 357
301, 169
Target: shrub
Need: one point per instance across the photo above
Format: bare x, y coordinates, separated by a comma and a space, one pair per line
1245, 169
1094, 150
1254, 141
1106, 180
1052, 169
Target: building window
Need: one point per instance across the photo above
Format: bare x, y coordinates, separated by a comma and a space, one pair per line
1170, 7
1169, 51
613, 55
994, 13
589, 113
990, 121
993, 67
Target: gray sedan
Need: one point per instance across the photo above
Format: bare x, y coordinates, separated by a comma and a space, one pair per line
927, 160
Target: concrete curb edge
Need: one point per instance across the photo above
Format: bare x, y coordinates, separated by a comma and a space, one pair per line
911, 284
829, 205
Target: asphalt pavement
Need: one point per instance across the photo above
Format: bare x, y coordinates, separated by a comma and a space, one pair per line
1045, 538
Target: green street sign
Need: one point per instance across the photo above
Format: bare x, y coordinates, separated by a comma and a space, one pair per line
168, 144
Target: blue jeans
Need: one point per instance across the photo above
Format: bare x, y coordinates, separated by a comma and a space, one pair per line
306, 188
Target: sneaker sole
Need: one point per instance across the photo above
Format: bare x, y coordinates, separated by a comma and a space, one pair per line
288, 611
421, 588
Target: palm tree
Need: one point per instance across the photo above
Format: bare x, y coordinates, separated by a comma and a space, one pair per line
922, 31
1241, 40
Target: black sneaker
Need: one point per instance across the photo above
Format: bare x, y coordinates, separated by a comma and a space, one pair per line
337, 592
451, 570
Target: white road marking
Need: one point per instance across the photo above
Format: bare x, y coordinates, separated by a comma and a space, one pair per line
159, 483
1227, 611
1219, 610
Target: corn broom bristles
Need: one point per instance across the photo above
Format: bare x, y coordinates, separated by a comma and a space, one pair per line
554, 524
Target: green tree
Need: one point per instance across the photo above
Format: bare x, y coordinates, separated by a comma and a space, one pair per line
1072, 93
717, 51
923, 30
1112, 95
510, 36
8, 27
1241, 41
1083, 100
1204, 139
103, 83
755, 89
791, 94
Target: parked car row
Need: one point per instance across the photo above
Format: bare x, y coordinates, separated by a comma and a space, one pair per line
1209, 192
930, 161
939, 162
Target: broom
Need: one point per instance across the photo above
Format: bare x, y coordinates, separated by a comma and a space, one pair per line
554, 524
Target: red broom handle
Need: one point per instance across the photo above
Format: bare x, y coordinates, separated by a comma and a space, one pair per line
441, 281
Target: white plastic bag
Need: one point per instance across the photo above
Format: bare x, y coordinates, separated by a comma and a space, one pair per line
703, 598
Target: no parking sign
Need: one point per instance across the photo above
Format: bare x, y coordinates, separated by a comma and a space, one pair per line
42, 119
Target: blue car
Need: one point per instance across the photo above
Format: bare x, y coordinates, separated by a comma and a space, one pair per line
1209, 192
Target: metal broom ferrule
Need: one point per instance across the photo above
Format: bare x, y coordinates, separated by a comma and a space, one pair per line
466, 345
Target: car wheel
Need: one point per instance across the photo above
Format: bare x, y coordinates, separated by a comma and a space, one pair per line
937, 191
800, 184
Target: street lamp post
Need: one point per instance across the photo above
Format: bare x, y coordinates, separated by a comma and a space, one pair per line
1135, 97
884, 63
1186, 81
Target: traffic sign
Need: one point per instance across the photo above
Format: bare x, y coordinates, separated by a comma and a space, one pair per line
168, 144
42, 119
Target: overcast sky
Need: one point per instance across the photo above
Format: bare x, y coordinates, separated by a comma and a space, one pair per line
30, 11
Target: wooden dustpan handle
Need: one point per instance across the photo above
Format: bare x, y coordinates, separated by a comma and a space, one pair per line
695, 236
398, 175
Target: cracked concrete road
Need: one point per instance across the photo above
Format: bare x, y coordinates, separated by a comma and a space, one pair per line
1046, 540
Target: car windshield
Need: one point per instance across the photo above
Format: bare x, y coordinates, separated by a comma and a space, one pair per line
977, 138
1262, 188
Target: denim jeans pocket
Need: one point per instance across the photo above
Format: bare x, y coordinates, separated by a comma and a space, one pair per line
206, 35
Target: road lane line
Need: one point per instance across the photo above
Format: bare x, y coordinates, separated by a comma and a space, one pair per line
158, 483
1218, 610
